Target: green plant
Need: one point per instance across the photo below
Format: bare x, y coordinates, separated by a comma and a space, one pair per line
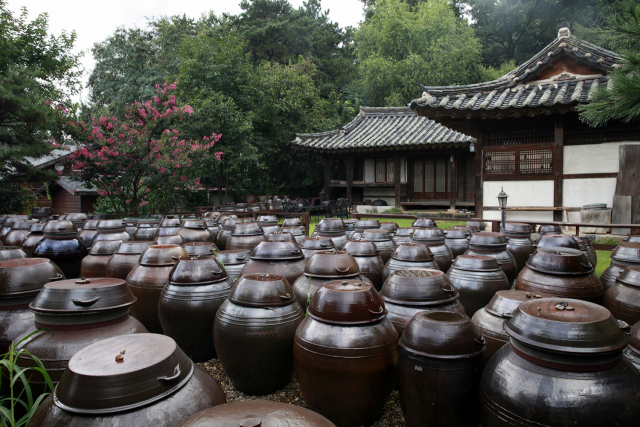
608, 241
14, 373
393, 210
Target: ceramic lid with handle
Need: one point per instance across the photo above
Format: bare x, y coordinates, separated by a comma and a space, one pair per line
391, 227
122, 373
361, 248
404, 232
36, 227
277, 251
428, 235
162, 255
412, 252
25, 276
560, 261
504, 302
456, 233
104, 247
171, 239
476, 263
196, 270
629, 252
367, 224
442, 335
557, 241
331, 225
279, 236
196, 224
60, 229
630, 276
91, 224
24, 225
262, 290
517, 229
200, 248
293, 230
376, 235
170, 221
247, 229
267, 220
488, 239
419, 287
233, 256
332, 264
134, 247
347, 302
111, 225
319, 243
550, 229
424, 223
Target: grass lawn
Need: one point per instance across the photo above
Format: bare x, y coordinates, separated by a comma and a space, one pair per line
604, 261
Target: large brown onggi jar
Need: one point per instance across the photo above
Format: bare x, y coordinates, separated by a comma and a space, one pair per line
391, 227
625, 255
125, 258
169, 225
361, 225
213, 227
245, 236
195, 230
298, 233
632, 352
77, 218
587, 249
95, 264
8, 222
18, 232
227, 226
424, 223
495, 245
233, 261
367, 256
171, 239
148, 278
557, 241
434, 238
520, 244
278, 259
188, 304
279, 236
112, 229
12, 252
623, 298
439, 371
383, 242
563, 367
34, 236
154, 384
146, 229
254, 331
480, 224
490, 319
72, 315
477, 278
562, 272
292, 222
407, 292
346, 353
268, 223
61, 245
200, 248
334, 228
457, 240
88, 232
311, 245
409, 256
549, 229
403, 235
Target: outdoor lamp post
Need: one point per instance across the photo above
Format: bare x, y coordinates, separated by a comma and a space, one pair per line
502, 202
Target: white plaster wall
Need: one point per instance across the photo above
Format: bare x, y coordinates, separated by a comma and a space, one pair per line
593, 158
379, 209
388, 194
369, 170
521, 193
580, 192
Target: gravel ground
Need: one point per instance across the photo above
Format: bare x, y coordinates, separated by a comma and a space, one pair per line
391, 417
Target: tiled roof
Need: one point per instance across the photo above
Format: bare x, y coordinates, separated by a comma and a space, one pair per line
523, 87
50, 159
76, 187
386, 127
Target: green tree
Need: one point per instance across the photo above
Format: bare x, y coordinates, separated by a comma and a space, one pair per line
401, 46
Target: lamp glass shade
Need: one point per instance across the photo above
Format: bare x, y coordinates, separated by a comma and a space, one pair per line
502, 199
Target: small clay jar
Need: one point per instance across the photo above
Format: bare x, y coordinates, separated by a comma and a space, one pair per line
95, 264
367, 255
409, 256
126, 258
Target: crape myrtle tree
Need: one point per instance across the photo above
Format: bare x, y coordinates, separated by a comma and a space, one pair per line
142, 156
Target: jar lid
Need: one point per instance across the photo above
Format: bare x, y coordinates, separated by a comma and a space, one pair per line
376, 235
424, 223
295, 231
470, 228
112, 225
560, 261
367, 224
331, 225
105, 247
262, 290
148, 222
60, 229
36, 227
442, 335
550, 229
391, 227
247, 229
9, 220
196, 270
347, 302
131, 220
171, 239
76, 217
418, 286
566, 326
319, 243
630, 276
200, 248
26, 275
332, 264
197, 224
504, 302
24, 225
277, 251
480, 224
488, 238
170, 221
132, 370
557, 241
260, 412
476, 263
456, 233
211, 214
279, 236
361, 248
83, 296
629, 252
91, 224
156, 255
428, 235
267, 220
229, 223
134, 247
404, 232
412, 252
233, 256
517, 229
292, 222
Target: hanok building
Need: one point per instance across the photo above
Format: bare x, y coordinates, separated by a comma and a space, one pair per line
436, 164
531, 141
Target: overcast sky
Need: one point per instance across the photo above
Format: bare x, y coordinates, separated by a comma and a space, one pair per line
94, 21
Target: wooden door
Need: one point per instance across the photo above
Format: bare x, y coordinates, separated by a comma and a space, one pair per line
431, 178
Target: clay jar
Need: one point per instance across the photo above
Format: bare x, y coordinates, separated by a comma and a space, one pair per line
351, 227
403, 235
391, 227
409, 256
12, 252
61, 245
480, 224
407, 292
112, 229
146, 229
495, 245
311, 245
574, 346
195, 230
562, 272
125, 258
587, 249
623, 298
477, 278
322, 267
18, 232
292, 222
200, 248
424, 223
34, 236
268, 223
625, 255
245, 236
233, 261
20, 282
557, 241
383, 242
364, 224
254, 331
148, 278
187, 307
279, 236
213, 227
154, 384
632, 352
95, 264
88, 232
8, 222
367, 256
520, 244
346, 353
172, 239
490, 319
276, 258
77, 218
335, 229
549, 229
75, 313
131, 225
434, 239
297, 232
457, 240
439, 370
169, 225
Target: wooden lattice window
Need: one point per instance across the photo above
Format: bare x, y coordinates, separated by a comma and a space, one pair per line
516, 161
384, 170
499, 162
536, 161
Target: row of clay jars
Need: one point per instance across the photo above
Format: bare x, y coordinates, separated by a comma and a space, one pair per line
245, 236
520, 244
195, 231
311, 245
278, 259
623, 298
111, 229
434, 239
409, 256
368, 258
333, 228
494, 245
383, 242
364, 224
623, 256
18, 232
457, 240
8, 222
61, 245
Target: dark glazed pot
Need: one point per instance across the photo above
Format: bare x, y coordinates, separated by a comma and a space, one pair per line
520, 244
434, 238
213, 227
263, 413
200, 248
623, 298
88, 232
495, 245
363, 224
587, 249
407, 292
33, 238
146, 229
268, 223
480, 224
172, 239
632, 352
477, 278
424, 223
279, 236
367, 256
383, 242
278, 259
95, 264
187, 307
311, 245
148, 278
457, 240
470, 228
403, 235
159, 387
245, 236
391, 227
195, 231
557, 241
292, 222
490, 319
562, 272
61, 245
169, 225
7, 224
131, 225
439, 370
334, 228
409, 256
558, 349
297, 232
12, 252
125, 258
549, 229
233, 261
18, 232
112, 229
254, 331
346, 353
625, 255
77, 218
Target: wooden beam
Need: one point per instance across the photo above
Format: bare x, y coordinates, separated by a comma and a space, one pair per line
453, 174
590, 175
327, 178
396, 178
479, 173
349, 177
558, 167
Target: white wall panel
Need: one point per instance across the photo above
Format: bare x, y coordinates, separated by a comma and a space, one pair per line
580, 192
593, 158
521, 193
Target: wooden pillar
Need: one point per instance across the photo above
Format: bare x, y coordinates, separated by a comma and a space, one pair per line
453, 188
327, 178
558, 167
396, 179
349, 177
479, 170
